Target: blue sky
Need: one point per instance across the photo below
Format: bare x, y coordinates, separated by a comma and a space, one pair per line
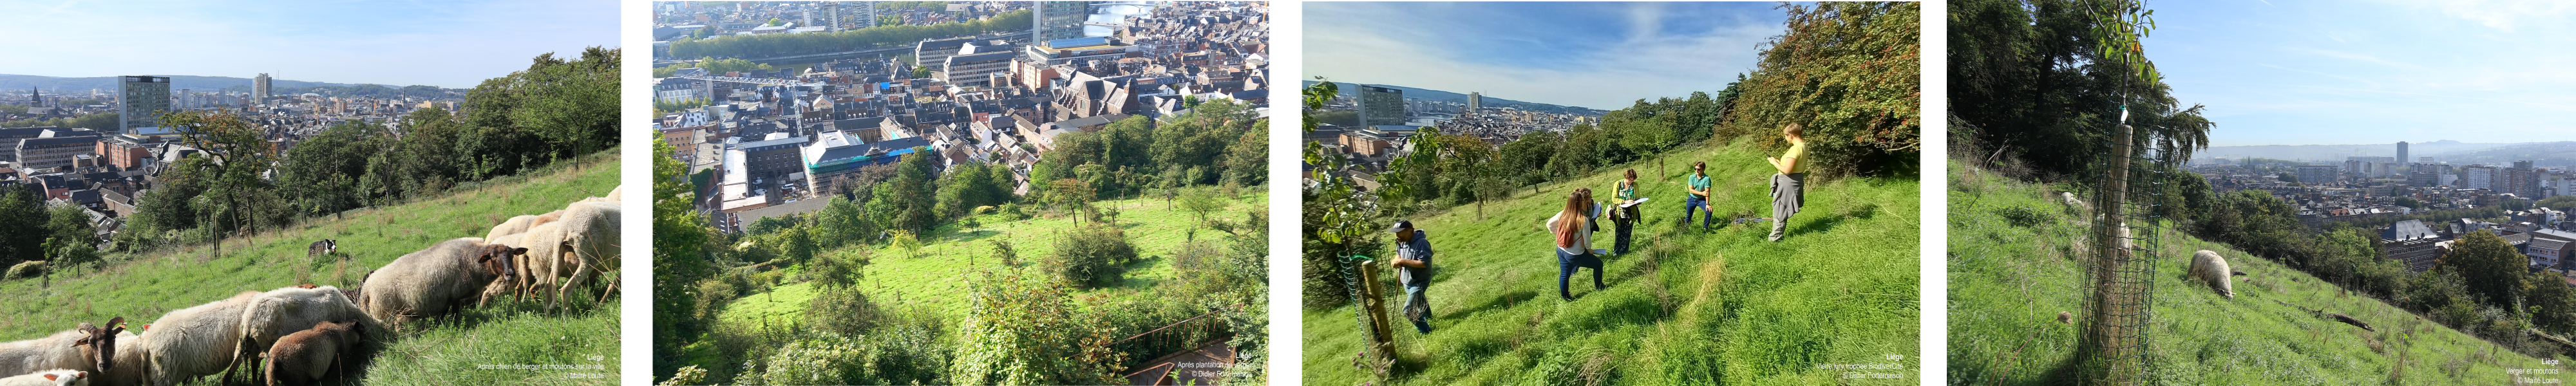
1599, 55
454, 44
2290, 72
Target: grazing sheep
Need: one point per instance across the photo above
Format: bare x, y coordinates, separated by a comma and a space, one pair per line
57, 351
284, 311
513, 283
304, 357
326, 247
520, 224
2208, 267
589, 245
98, 345
545, 245
195, 341
54, 377
434, 281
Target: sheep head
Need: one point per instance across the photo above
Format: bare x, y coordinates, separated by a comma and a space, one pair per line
101, 342
496, 257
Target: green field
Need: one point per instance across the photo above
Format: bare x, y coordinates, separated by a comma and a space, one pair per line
143, 287
1686, 307
951, 253
2008, 283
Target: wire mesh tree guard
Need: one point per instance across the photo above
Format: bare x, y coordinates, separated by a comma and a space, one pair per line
1368, 302
2127, 237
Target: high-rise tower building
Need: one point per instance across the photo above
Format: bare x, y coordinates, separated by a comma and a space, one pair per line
259, 88
1058, 20
140, 101
1475, 100
1381, 106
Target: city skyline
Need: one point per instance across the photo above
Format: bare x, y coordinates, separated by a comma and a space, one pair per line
445, 44
2289, 72
1596, 55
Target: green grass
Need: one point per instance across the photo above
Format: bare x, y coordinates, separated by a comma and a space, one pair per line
936, 277
143, 287
2008, 283
1720, 306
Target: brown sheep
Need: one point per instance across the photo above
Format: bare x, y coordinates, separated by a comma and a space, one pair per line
304, 357
435, 281
277, 313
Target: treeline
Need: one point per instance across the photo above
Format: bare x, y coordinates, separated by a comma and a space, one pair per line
60, 233
714, 67
767, 45
106, 121
1021, 328
2030, 81
556, 109
358, 91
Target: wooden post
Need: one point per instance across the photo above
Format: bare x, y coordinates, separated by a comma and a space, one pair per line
1373, 300
2113, 319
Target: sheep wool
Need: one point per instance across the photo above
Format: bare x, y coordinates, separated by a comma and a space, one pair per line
2207, 266
284, 311
434, 281
195, 341
54, 377
304, 357
590, 240
50, 352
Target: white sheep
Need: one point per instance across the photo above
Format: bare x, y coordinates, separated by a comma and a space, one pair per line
195, 341
304, 357
2207, 266
54, 377
434, 281
590, 245
55, 351
288, 310
545, 244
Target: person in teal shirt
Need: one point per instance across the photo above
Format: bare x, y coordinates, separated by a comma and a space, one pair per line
1625, 216
1698, 200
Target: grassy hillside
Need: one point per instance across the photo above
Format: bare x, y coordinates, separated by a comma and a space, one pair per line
2009, 281
1690, 307
951, 253
143, 287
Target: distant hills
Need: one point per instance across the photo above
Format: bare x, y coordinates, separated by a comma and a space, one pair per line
1490, 101
20, 83
2441, 151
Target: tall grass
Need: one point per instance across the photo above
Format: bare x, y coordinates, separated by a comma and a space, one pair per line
1686, 307
143, 286
2010, 277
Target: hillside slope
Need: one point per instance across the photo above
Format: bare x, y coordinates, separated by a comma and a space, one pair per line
2009, 281
1686, 307
142, 288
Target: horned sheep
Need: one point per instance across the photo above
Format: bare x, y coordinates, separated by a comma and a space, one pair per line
434, 281
304, 357
2207, 266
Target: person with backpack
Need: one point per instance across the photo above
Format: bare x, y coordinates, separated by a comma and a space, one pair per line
1573, 229
1413, 269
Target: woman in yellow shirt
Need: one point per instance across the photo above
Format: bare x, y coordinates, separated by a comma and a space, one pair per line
1788, 189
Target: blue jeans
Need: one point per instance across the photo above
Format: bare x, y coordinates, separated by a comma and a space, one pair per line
1697, 205
1418, 308
1566, 263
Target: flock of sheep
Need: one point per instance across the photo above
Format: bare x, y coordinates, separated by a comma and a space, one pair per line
303, 333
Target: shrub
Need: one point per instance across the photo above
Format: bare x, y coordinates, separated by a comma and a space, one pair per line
843, 310
2023, 216
1031, 332
1091, 256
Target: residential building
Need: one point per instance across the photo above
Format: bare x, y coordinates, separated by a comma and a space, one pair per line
45, 153
2521, 180
2316, 174
976, 69
2411, 242
2479, 177
935, 52
259, 87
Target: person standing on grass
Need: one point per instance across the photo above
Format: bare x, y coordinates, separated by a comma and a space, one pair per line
1789, 188
1573, 229
1698, 200
1625, 216
1413, 269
